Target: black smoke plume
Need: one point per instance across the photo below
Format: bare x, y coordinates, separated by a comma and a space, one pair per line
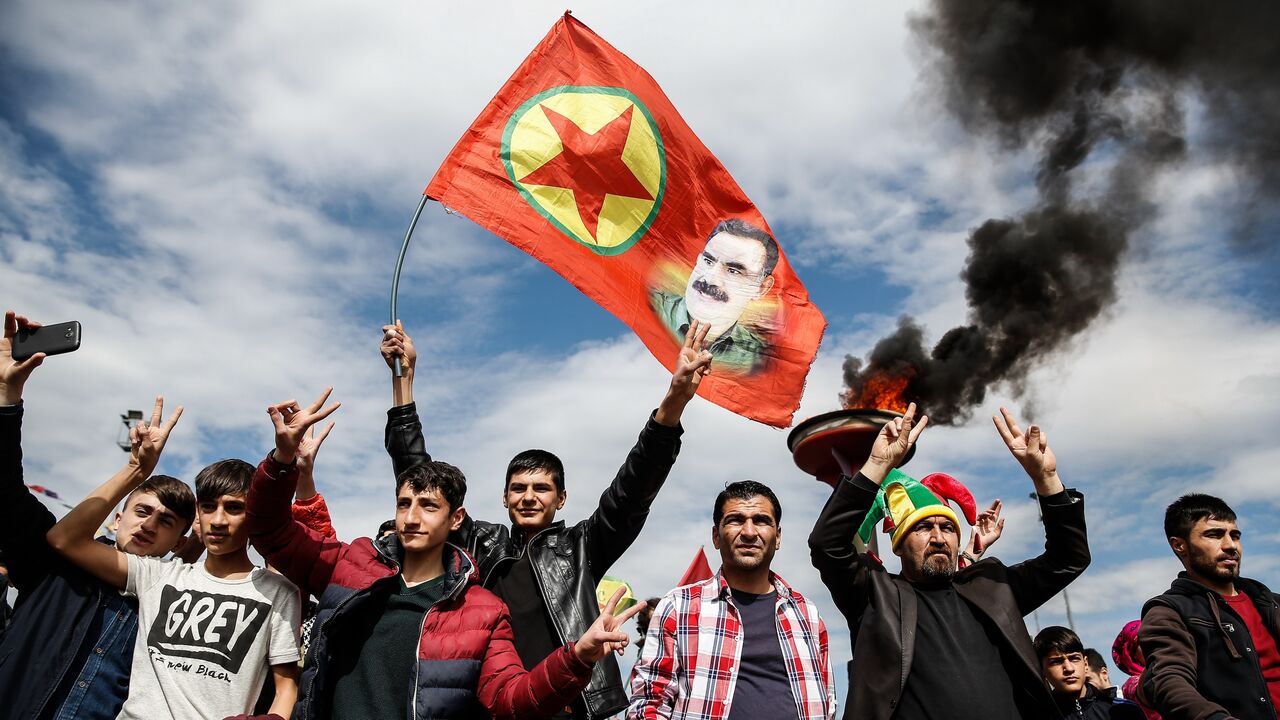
1095, 80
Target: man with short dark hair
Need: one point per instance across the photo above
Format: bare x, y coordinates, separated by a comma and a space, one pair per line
546, 571
210, 632
934, 641
1063, 665
734, 269
1096, 673
1210, 640
743, 643
69, 647
404, 629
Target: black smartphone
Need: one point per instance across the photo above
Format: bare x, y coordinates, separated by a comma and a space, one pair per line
50, 340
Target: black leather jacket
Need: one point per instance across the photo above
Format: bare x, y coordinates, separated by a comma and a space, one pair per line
568, 561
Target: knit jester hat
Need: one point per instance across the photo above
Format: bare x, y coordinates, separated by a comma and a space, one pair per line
904, 501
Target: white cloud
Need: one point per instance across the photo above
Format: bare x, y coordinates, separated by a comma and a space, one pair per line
248, 160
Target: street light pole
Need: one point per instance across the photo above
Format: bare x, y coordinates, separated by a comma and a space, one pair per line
130, 419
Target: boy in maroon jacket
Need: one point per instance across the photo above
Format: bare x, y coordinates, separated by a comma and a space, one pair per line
403, 625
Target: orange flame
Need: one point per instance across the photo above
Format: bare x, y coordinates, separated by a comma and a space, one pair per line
883, 391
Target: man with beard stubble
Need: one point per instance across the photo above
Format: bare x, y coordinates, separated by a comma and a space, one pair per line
1210, 639
741, 644
934, 642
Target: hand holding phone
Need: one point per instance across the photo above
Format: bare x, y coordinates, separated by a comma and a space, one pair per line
14, 373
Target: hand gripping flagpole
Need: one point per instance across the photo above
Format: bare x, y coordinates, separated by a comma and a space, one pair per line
395, 279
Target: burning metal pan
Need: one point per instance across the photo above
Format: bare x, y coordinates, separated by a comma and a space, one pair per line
853, 431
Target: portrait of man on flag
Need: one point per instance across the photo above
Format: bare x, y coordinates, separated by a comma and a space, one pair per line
728, 289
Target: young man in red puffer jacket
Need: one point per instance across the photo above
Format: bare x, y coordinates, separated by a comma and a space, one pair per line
407, 595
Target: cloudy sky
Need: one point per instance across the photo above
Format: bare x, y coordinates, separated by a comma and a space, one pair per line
217, 193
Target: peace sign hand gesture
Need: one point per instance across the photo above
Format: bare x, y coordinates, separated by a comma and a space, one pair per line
892, 444
292, 421
604, 635
147, 440
310, 445
1032, 451
692, 364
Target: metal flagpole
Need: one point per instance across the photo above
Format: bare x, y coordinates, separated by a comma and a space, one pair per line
395, 279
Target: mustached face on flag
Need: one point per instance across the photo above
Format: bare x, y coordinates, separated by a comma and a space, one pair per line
582, 161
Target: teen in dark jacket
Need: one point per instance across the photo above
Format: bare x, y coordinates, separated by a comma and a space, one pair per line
408, 592
547, 571
69, 647
1064, 664
1210, 641
993, 670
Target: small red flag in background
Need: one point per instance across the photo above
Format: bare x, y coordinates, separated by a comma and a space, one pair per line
581, 161
697, 571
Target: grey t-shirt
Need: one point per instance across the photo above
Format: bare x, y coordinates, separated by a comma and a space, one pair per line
205, 645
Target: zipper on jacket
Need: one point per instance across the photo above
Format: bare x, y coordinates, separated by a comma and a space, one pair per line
417, 662
1257, 665
422, 629
537, 580
318, 631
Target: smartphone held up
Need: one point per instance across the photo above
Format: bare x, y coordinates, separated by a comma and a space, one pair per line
48, 339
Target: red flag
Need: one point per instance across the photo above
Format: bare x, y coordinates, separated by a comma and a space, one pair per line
581, 161
698, 570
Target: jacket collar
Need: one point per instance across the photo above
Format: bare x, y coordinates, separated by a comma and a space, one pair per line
459, 567
517, 535
459, 570
1184, 584
1068, 706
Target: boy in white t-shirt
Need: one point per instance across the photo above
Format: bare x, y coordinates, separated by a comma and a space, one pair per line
209, 633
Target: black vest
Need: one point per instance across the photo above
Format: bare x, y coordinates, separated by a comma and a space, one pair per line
1227, 669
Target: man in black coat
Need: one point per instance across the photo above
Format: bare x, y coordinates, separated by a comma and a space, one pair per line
546, 571
934, 642
69, 647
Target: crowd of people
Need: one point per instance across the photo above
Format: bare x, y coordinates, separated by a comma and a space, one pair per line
441, 614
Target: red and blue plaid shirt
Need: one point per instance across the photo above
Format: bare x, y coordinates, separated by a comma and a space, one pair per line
688, 667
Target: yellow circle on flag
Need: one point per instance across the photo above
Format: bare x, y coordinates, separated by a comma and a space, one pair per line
590, 160
607, 587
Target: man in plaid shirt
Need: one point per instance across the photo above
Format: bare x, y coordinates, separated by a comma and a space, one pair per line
742, 644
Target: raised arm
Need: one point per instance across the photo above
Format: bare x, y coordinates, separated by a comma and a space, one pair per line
396, 343
843, 569
692, 364
404, 441
1066, 548
302, 555
309, 506
624, 505
14, 374
73, 536
24, 520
